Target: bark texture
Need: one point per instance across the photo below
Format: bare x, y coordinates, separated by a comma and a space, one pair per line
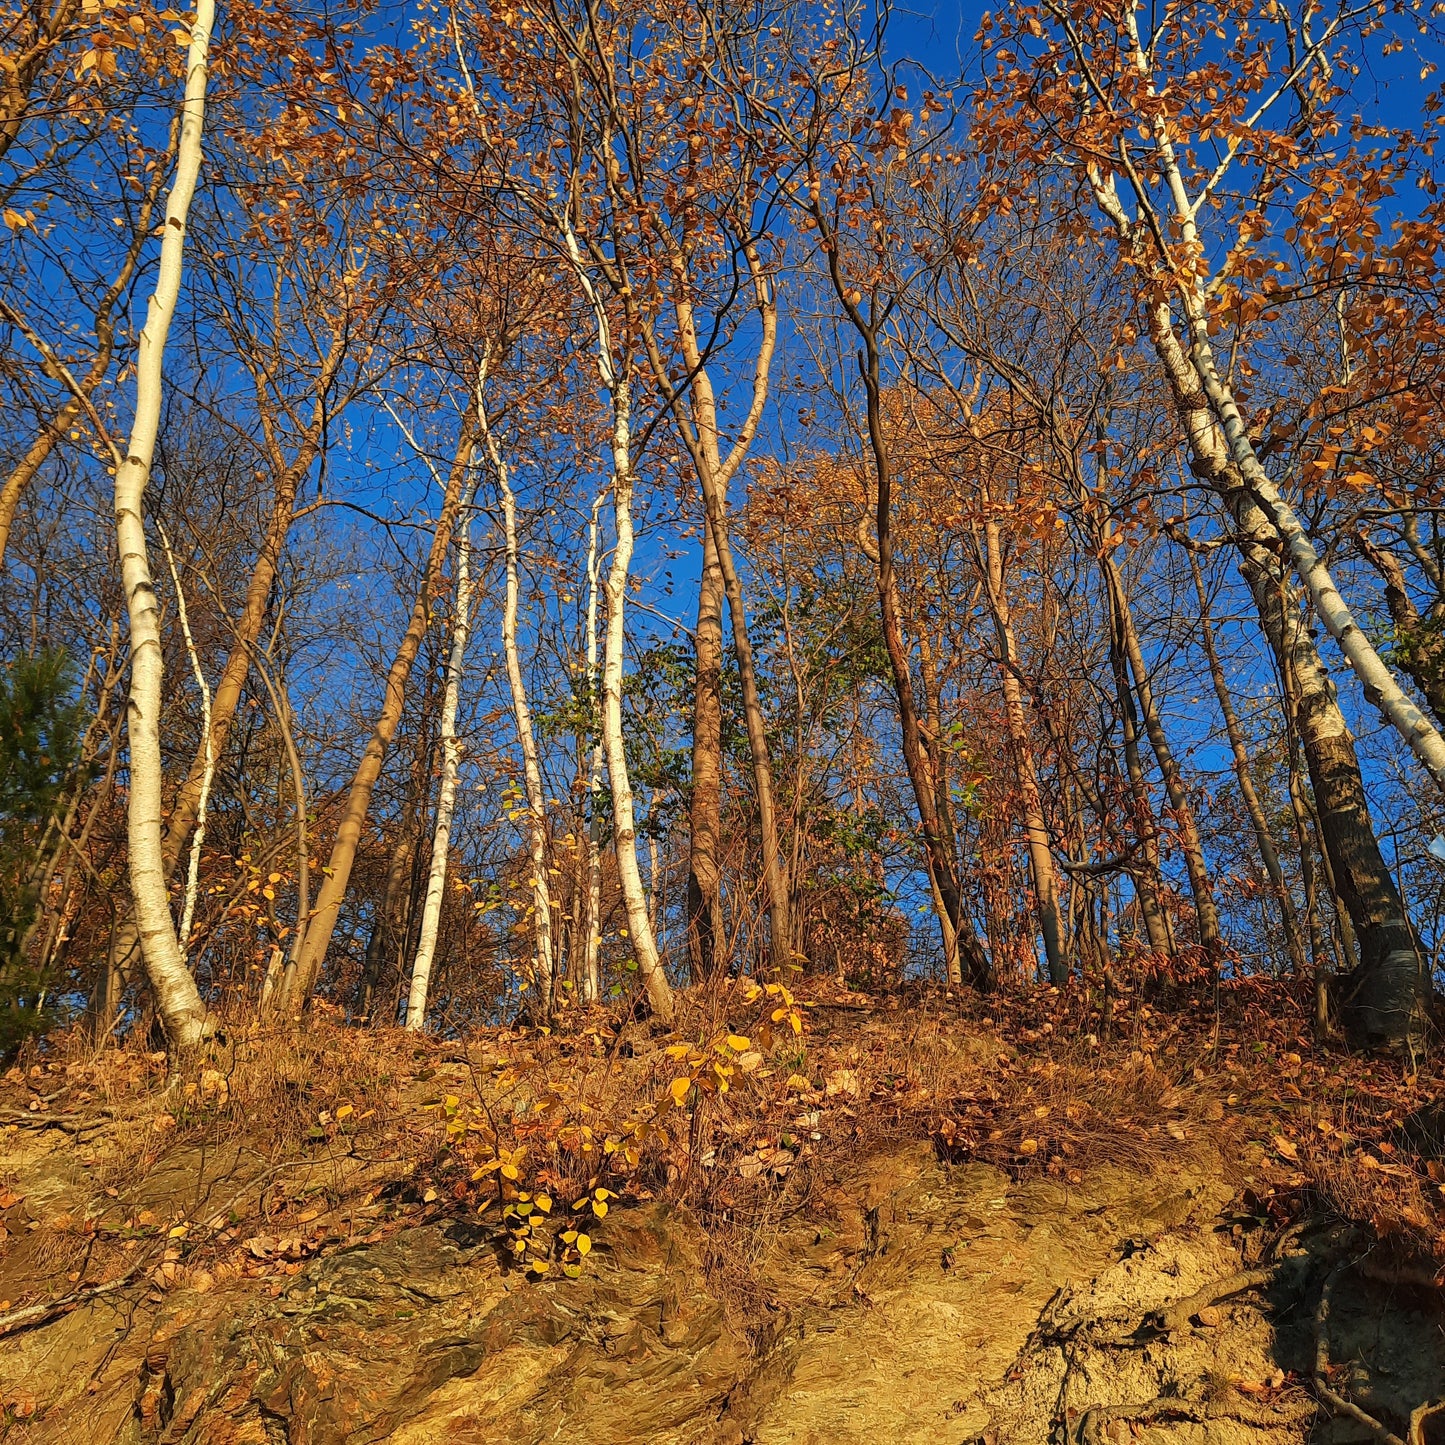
182, 1011
707, 940
1041, 860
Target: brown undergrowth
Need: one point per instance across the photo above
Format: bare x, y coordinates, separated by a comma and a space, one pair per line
277, 1146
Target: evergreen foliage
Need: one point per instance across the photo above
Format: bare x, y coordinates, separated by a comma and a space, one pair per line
40, 740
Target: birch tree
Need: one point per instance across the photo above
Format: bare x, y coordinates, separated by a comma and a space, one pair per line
1127, 116
614, 369
591, 970
451, 763
358, 798
536, 801
183, 1013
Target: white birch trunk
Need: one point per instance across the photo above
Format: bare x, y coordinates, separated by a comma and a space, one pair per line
624, 827
591, 969
526, 737
208, 771
182, 1011
451, 768
1380, 684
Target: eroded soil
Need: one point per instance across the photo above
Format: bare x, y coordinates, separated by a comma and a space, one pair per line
909, 1300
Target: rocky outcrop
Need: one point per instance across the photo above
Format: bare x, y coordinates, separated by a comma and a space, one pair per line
904, 1301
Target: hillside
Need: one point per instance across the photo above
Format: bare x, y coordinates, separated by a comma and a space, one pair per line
912, 1222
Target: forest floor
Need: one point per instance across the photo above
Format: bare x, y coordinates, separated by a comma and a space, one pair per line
919, 1219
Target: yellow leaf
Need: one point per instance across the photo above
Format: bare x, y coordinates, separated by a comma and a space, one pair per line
179, 1231
599, 1208
509, 1171
345, 1112
739, 1043
14, 219
544, 1203
679, 1088
1029, 1146
584, 1244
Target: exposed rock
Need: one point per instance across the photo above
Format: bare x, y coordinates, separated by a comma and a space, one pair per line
908, 1301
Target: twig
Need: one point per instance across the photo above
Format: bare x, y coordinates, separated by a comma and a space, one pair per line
38, 1314
69, 1123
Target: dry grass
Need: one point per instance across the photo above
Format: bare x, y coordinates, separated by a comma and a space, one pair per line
304, 1141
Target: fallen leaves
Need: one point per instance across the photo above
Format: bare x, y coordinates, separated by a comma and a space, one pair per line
1286, 1148
773, 1160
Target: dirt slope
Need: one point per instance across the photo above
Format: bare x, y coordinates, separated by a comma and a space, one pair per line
908, 1301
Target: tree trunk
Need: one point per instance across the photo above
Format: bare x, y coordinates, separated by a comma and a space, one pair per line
303, 850
1213, 422
527, 739
591, 959
384, 923
1387, 993
1419, 644
938, 762
451, 761
1205, 912
943, 877
182, 1011
624, 829
246, 629
358, 799
707, 943
1385, 996
193, 871
1145, 876
1041, 860
700, 436
1294, 940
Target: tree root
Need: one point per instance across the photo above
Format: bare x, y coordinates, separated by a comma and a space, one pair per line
1331, 1397
1419, 1415
1175, 1407
1175, 1319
